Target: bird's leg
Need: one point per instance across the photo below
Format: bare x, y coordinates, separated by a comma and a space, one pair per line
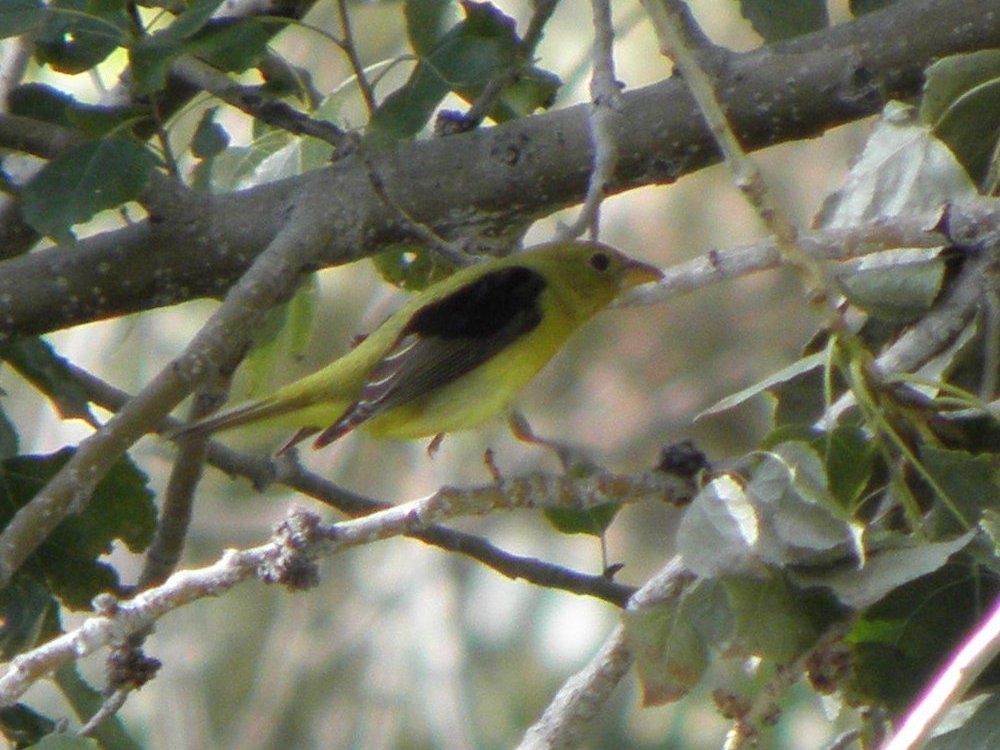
490, 460
434, 444
522, 430
569, 456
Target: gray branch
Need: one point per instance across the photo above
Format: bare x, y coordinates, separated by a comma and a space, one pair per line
493, 182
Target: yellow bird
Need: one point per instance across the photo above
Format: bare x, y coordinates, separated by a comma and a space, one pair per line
456, 353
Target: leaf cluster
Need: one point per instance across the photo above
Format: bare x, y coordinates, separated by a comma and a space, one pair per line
857, 546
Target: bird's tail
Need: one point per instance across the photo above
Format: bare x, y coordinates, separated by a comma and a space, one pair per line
245, 414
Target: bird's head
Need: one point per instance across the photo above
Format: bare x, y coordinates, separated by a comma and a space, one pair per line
590, 275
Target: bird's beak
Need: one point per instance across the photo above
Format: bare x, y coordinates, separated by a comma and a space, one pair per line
637, 273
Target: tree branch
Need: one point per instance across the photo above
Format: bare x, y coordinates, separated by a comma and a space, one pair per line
510, 175
564, 722
272, 278
289, 558
262, 471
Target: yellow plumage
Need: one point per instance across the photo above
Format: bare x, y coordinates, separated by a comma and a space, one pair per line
456, 353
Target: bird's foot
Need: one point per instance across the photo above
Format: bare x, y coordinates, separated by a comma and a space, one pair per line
434, 444
490, 460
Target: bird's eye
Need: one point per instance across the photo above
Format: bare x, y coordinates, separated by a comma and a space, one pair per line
600, 261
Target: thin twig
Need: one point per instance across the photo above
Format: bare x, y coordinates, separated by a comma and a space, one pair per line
669, 21
296, 542
166, 150
178, 499
536, 26
249, 100
452, 252
841, 244
606, 105
109, 708
351, 51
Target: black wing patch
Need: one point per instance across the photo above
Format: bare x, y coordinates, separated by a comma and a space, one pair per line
446, 339
495, 303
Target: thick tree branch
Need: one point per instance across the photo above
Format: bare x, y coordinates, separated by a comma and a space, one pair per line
496, 181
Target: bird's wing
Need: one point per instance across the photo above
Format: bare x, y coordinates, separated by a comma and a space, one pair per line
445, 339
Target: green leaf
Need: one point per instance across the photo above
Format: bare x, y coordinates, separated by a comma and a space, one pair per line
961, 104
210, 139
782, 19
801, 397
720, 530
970, 484
88, 178
283, 335
151, 57
41, 102
411, 267
24, 726
24, 606
784, 375
75, 41
18, 16
273, 155
36, 361
849, 456
100, 121
9, 437
800, 521
64, 741
68, 562
884, 571
427, 21
771, 618
671, 655
465, 59
981, 731
904, 169
899, 290
902, 641
232, 44
594, 521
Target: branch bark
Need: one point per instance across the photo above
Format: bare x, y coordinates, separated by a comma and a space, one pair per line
494, 182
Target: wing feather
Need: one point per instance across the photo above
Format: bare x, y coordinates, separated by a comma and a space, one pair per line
446, 339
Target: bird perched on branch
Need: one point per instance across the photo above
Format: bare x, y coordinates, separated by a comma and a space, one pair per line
455, 354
